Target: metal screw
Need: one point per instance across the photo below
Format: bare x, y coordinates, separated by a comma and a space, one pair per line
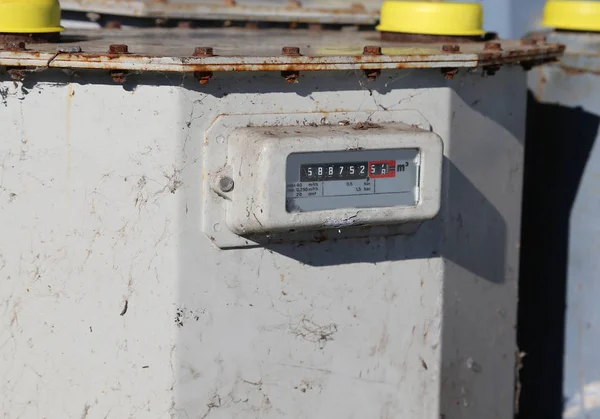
203, 52
226, 184
118, 49
450, 48
294, 4
493, 46
290, 51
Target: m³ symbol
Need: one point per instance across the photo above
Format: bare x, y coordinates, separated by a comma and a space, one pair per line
402, 167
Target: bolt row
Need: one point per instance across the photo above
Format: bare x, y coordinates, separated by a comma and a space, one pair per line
290, 76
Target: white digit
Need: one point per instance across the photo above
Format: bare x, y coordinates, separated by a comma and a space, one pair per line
330, 171
310, 171
320, 171
373, 169
362, 170
341, 170
383, 170
351, 170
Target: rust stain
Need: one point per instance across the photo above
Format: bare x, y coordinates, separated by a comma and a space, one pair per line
540, 87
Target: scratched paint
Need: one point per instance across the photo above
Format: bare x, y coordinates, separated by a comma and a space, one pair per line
122, 307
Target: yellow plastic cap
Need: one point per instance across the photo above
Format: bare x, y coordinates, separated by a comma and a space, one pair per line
30, 16
431, 18
572, 15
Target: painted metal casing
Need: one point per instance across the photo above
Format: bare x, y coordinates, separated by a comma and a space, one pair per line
116, 303
559, 314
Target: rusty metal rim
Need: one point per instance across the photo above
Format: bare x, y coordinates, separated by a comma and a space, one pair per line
134, 62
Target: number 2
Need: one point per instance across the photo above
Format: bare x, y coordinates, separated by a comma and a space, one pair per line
362, 170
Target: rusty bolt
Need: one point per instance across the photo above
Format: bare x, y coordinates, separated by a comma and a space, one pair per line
203, 76
294, 4
203, 52
229, 2
372, 50
290, 51
290, 76
450, 48
118, 76
118, 49
493, 46
529, 42
113, 24
15, 46
372, 74
449, 73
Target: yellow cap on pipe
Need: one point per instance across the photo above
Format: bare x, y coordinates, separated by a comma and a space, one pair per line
572, 15
30, 16
431, 18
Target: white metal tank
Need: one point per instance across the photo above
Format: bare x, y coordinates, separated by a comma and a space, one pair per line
176, 249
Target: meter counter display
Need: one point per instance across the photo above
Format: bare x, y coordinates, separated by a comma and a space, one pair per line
352, 179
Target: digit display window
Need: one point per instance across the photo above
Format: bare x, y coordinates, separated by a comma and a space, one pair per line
352, 179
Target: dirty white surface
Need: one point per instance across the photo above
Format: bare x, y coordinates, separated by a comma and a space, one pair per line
553, 85
114, 304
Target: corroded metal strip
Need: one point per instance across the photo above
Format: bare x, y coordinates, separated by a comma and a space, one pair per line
135, 62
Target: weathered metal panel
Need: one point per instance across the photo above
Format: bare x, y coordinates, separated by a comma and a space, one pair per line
559, 319
172, 50
116, 304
